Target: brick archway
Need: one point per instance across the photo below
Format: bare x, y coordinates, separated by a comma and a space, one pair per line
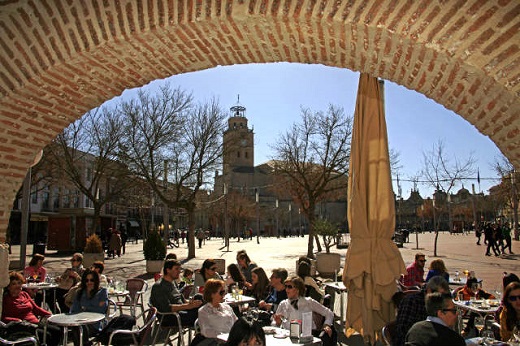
59, 59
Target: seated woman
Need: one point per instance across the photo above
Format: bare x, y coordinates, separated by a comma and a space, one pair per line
208, 271
18, 306
510, 315
215, 317
90, 298
260, 284
70, 277
312, 289
437, 267
235, 277
296, 304
36, 272
245, 264
246, 333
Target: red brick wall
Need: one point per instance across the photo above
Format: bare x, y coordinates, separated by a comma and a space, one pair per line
61, 58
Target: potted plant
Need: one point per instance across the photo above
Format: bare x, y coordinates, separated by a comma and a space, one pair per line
154, 250
93, 251
327, 264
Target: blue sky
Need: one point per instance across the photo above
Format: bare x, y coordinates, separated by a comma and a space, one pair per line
273, 94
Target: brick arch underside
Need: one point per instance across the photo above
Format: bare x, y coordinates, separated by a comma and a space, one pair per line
92, 57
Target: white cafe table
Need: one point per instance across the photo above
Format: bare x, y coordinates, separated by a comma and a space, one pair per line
75, 320
275, 336
44, 286
242, 299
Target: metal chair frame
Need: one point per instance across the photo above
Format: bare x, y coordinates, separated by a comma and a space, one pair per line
179, 328
140, 334
135, 298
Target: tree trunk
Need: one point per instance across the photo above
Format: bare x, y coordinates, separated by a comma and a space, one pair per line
435, 243
318, 243
191, 234
310, 243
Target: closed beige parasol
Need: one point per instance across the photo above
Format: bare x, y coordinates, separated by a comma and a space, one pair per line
373, 262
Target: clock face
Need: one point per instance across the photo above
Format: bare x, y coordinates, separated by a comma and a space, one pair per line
243, 142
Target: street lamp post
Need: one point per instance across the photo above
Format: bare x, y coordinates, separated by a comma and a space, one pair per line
290, 218
257, 200
166, 215
276, 211
226, 229
299, 221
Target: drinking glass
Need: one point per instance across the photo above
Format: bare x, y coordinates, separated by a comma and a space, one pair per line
479, 323
488, 337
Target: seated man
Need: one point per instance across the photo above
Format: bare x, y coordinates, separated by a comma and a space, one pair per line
438, 327
277, 293
415, 271
165, 296
412, 308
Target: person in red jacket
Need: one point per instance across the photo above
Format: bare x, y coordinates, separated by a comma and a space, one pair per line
18, 306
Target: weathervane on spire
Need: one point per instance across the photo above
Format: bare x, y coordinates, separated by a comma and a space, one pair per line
238, 110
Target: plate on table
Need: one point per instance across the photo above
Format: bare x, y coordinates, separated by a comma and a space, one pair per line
269, 330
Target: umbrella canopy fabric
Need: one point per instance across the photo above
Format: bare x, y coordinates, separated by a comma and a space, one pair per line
373, 262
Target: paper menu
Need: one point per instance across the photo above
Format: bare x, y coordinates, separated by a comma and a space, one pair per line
306, 324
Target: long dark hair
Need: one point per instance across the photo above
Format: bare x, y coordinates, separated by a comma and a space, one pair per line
244, 330
208, 263
236, 274
260, 288
83, 286
35, 258
508, 308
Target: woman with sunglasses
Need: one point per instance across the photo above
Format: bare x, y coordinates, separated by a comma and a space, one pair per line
208, 271
70, 277
215, 317
296, 304
90, 298
510, 315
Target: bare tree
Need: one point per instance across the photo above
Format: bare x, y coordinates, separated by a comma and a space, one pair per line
444, 173
507, 189
85, 154
170, 138
312, 161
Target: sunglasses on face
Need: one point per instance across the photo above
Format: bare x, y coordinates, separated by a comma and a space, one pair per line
213, 268
289, 286
513, 298
74, 260
422, 261
454, 310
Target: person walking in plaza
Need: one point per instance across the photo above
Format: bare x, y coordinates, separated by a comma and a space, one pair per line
489, 239
438, 328
114, 246
506, 234
200, 236
415, 272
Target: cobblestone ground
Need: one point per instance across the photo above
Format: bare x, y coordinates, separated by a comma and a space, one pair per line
459, 252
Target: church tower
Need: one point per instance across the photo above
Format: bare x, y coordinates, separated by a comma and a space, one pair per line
239, 150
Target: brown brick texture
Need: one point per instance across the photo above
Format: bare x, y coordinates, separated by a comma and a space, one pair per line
61, 58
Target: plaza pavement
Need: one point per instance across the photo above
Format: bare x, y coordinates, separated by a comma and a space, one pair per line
459, 252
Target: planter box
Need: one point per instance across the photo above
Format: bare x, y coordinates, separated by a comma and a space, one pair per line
89, 258
328, 264
154, 266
